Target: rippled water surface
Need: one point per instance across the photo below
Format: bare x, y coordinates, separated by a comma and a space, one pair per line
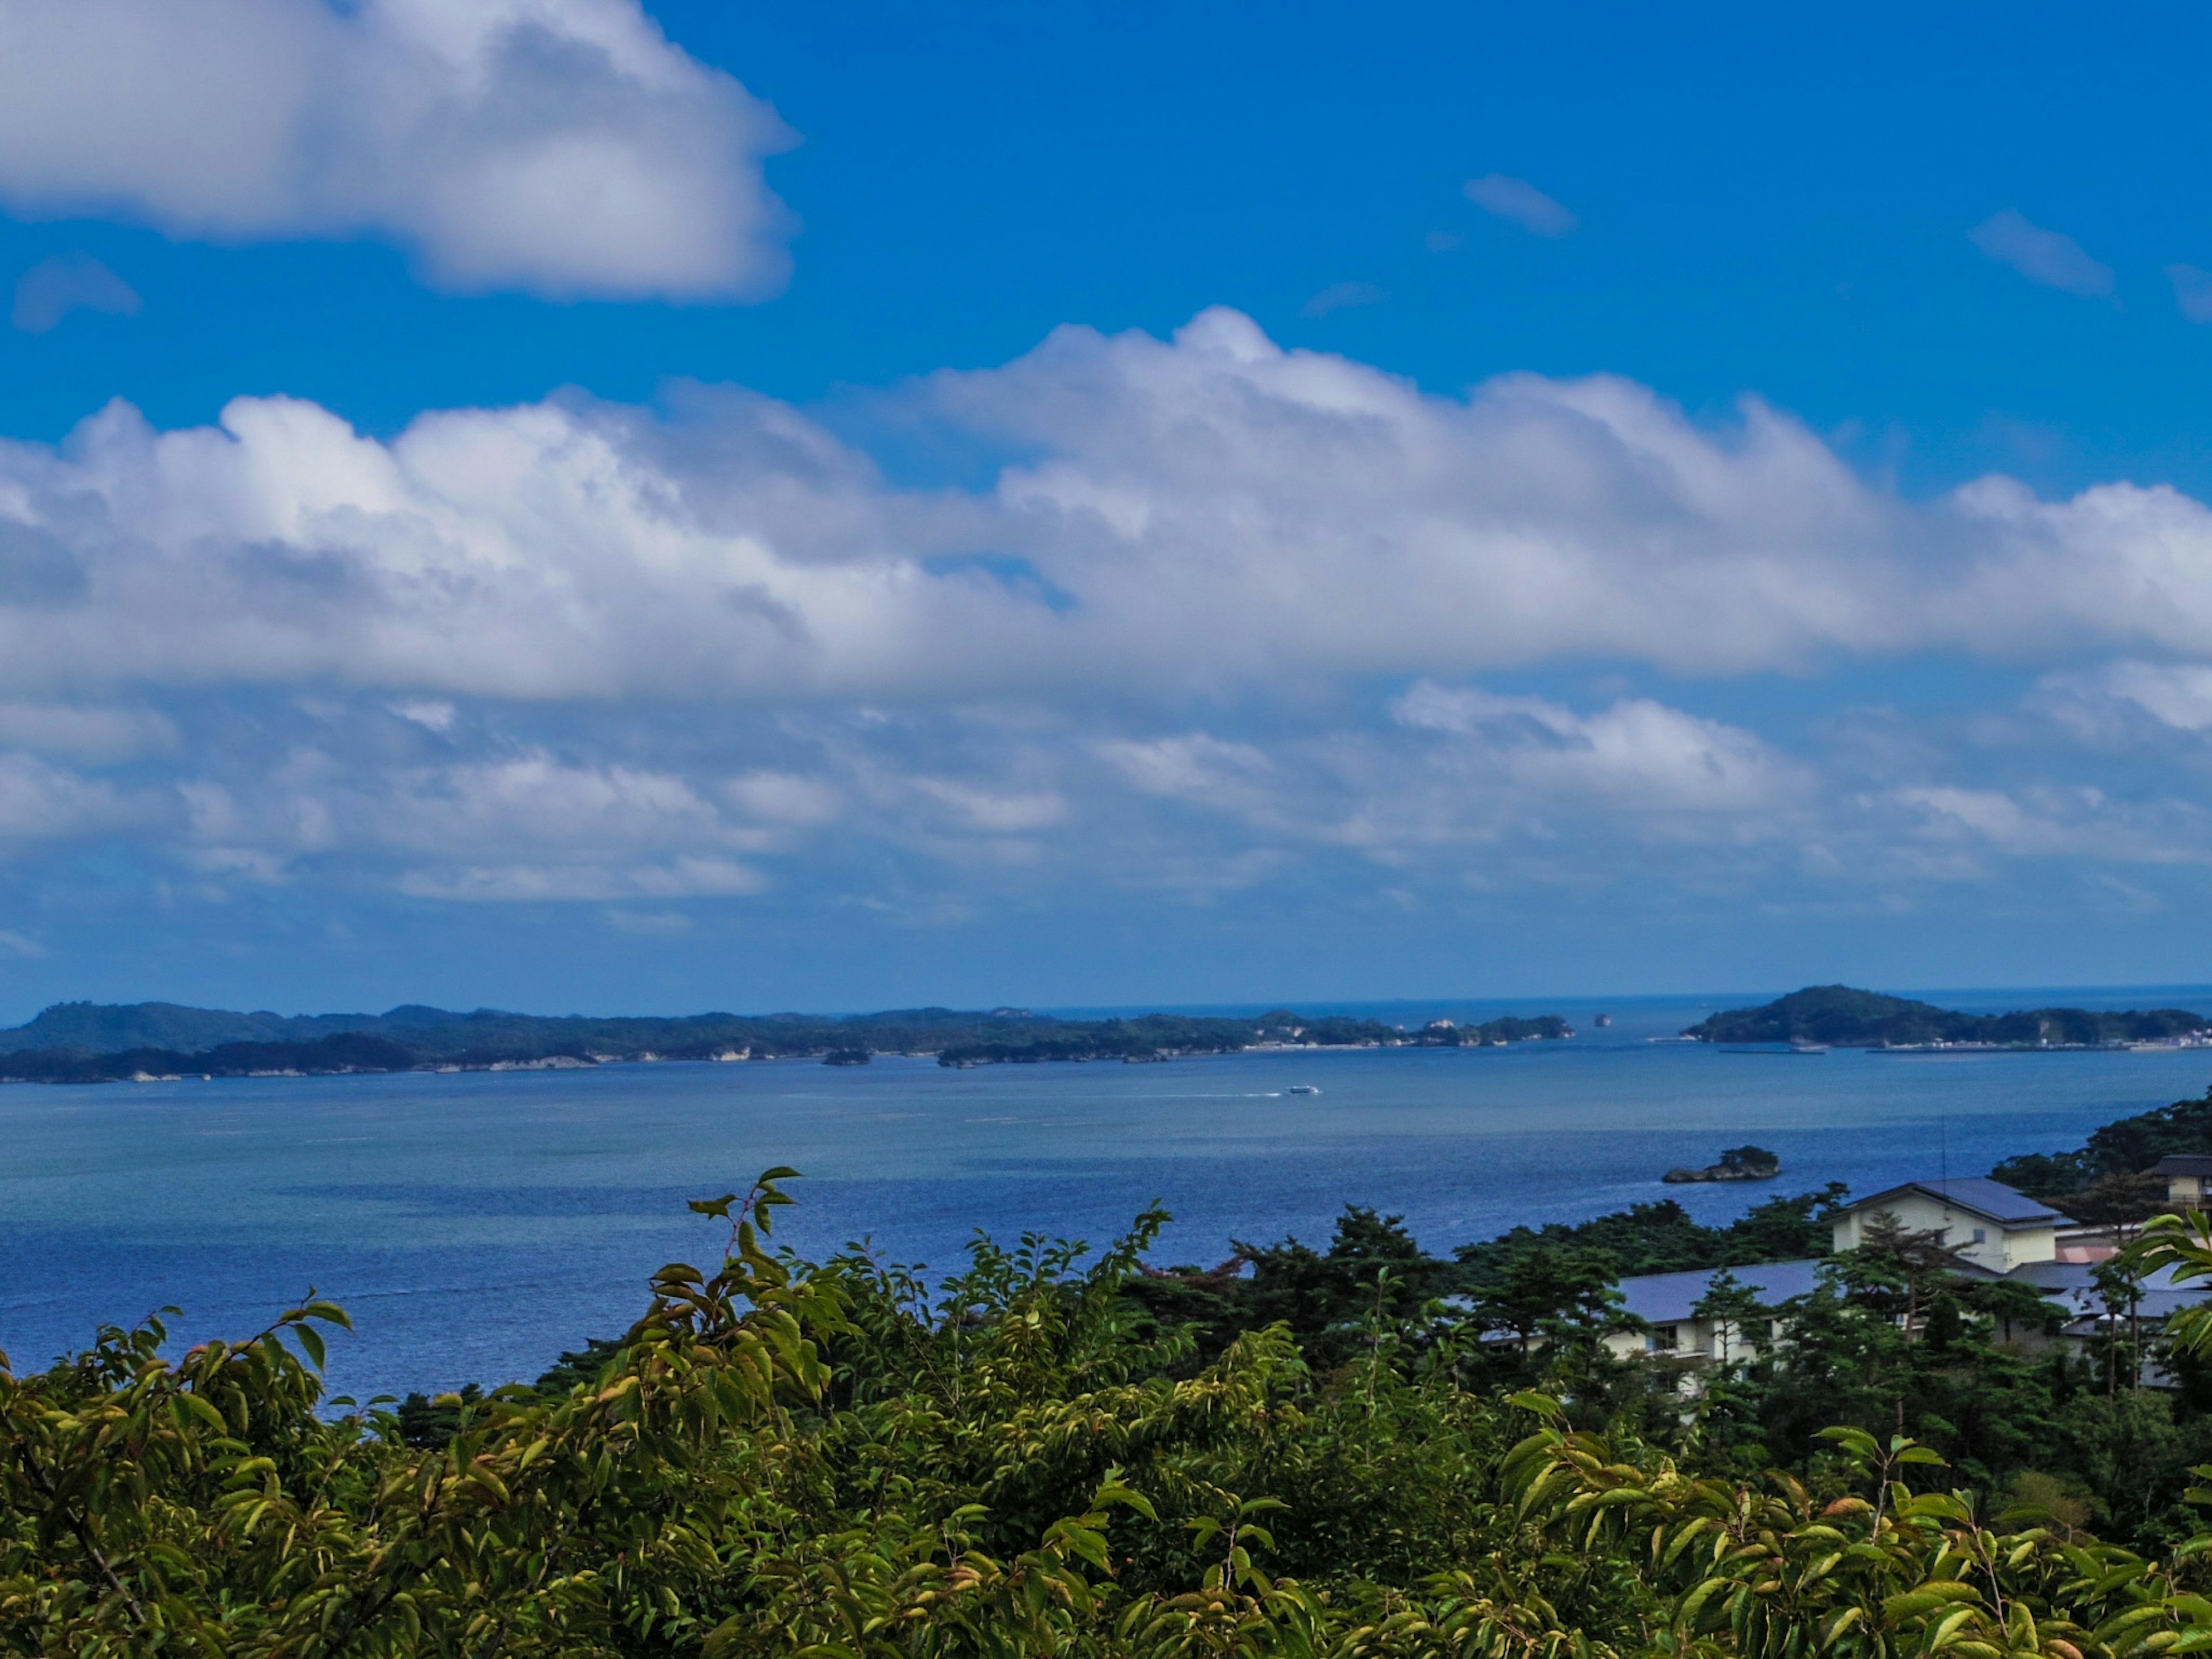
476, 1225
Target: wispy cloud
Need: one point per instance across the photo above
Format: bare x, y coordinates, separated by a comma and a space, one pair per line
1342, 296
2049, 256
2192, 291
1521, 202
649, 924
53, 288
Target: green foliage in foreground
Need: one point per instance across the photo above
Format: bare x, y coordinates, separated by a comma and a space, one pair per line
782, 1459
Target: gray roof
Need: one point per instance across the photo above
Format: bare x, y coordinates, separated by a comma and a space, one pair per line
2196, 1164
2073, 1285
1984, 1197
1668, 1298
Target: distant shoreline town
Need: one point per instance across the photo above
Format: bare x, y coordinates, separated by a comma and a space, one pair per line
1840, 1016
153, 1041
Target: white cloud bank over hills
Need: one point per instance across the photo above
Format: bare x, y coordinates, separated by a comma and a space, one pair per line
1225, 614
562, 147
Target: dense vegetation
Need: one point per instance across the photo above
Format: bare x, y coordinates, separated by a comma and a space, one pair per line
350, 1052
1039, 1461
2107, 1179
1845, 1017
1160, 1034
83, 1042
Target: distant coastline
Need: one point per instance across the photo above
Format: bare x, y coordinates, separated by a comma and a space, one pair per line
1843, 1017
150, 1042
154, 1042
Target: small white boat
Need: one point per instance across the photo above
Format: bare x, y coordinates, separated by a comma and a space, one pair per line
1302, 1088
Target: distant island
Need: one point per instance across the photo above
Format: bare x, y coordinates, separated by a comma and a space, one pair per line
1736, 1163
145, 1041
1839, 1016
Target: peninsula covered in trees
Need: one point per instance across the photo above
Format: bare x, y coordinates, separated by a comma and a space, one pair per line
1843, 1016
91, 1042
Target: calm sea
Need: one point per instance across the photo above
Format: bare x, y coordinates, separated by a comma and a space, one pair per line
476, 1225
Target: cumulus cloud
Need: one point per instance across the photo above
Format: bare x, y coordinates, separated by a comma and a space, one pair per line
1207, 512
1232, 607
1523, 203
1204, 512
2048, 257
562, 147
55, 287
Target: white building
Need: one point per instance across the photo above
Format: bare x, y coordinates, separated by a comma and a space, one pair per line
1666, 1304
2188, 1177
1984, 1221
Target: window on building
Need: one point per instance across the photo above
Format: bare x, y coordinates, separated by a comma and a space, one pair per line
1981, 1234
1665, 1338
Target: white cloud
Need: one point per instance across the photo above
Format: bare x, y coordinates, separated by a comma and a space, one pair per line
2177, 694
997, 812
55, 287
2048, 257
533, 801
782, 798
1521, 202
564, 147
1201, 514
1637, 753
566, 884
1986, 812
432, 714
1227, 613
94, 734
40, 802
1196, 766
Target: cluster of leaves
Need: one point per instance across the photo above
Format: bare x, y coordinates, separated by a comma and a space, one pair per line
835, 1461
1663, 1239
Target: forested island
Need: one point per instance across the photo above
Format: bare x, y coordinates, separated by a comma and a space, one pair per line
93, 1042
1842, 1017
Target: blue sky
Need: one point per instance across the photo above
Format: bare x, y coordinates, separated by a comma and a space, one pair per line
545, 503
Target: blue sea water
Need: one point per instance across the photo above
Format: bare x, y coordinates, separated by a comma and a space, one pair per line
476, 1225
